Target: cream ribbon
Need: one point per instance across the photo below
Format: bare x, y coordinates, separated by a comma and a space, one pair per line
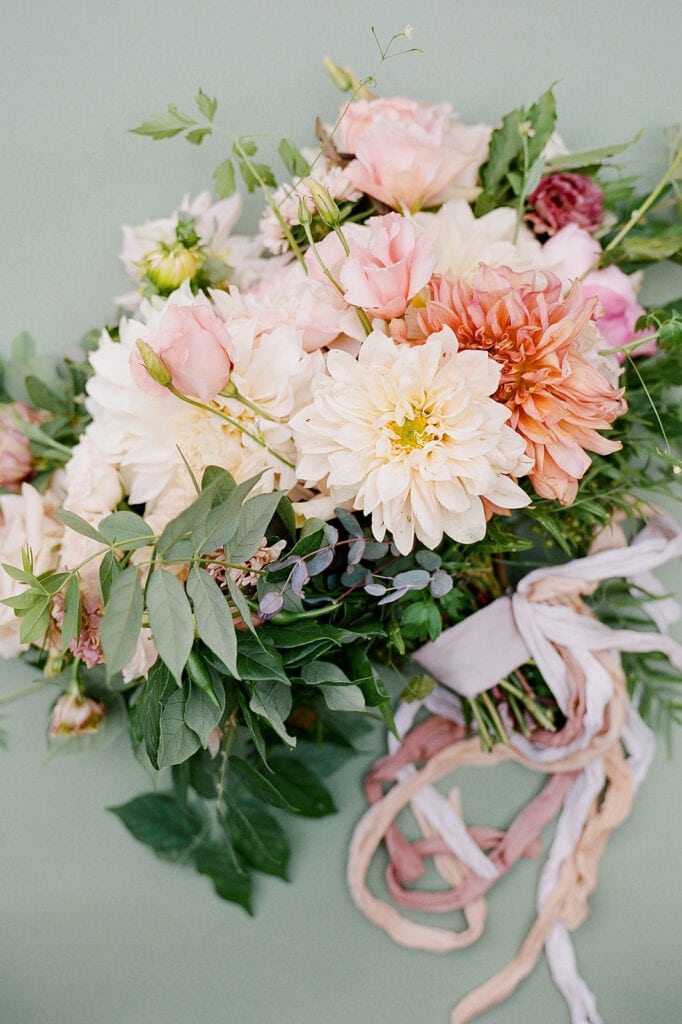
545, 621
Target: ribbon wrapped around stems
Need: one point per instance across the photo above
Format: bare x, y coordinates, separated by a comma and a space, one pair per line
594, 764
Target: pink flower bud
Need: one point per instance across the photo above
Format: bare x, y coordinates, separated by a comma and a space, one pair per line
16, 463
194, 347
76, 715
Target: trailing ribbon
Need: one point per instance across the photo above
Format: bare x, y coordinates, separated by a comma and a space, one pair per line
595, 764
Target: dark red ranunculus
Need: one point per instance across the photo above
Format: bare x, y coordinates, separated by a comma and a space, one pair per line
562, 199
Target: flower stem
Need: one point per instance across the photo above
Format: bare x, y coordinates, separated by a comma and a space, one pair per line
38, 684
233, 423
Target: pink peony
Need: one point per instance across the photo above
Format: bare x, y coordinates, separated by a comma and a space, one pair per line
16, 461
562, 199
76, 715
382, 275
557, 400
410, 155
194, 346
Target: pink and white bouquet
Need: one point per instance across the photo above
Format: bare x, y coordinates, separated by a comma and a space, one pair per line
307, 472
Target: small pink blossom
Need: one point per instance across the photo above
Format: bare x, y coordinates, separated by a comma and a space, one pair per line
16, 461
76, 715
396, 263
194, 345
562, 199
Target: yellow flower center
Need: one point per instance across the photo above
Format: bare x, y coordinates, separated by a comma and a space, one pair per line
411, 434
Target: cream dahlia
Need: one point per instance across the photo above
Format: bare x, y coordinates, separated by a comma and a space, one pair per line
412, 435
558, 401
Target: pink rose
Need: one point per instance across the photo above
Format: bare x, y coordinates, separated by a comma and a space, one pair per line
571, 252
617, 297
16, 461
194, 346
562, 199
76, 715
382, 275
410, 155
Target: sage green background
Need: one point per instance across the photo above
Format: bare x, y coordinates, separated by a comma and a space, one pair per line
93, 929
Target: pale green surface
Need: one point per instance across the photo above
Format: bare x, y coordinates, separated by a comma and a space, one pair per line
93, 929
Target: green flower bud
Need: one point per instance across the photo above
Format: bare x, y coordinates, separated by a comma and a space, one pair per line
167, 268
338, 75
326, 207
154, 364
304, 214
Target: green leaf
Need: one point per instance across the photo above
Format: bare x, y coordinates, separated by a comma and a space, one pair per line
343, 698
213, 617
43, 397
301, 786
240, 603
254, 519
542, 116
152, 699
225, 179
505, 145
258, 660
161, 821
257, 836
660, 247
79, 525
201, 714
207, 105
319, 672
197, 135
257, 784
20, 575
251, 724
170, 618
293, 159
419, 687
272, 701
71, 626
126, 530
177, 742
164, 126
588, 157
109, 570
122, 620
35, 623
230, 881
176, 538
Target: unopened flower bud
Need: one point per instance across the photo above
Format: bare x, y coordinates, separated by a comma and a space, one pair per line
339, 76
167, 268
304, 214
76, 715
326, 207
154, 364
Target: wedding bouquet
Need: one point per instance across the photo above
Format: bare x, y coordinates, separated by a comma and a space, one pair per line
393, 445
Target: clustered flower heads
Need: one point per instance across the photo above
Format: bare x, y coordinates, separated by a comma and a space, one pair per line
417, 363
